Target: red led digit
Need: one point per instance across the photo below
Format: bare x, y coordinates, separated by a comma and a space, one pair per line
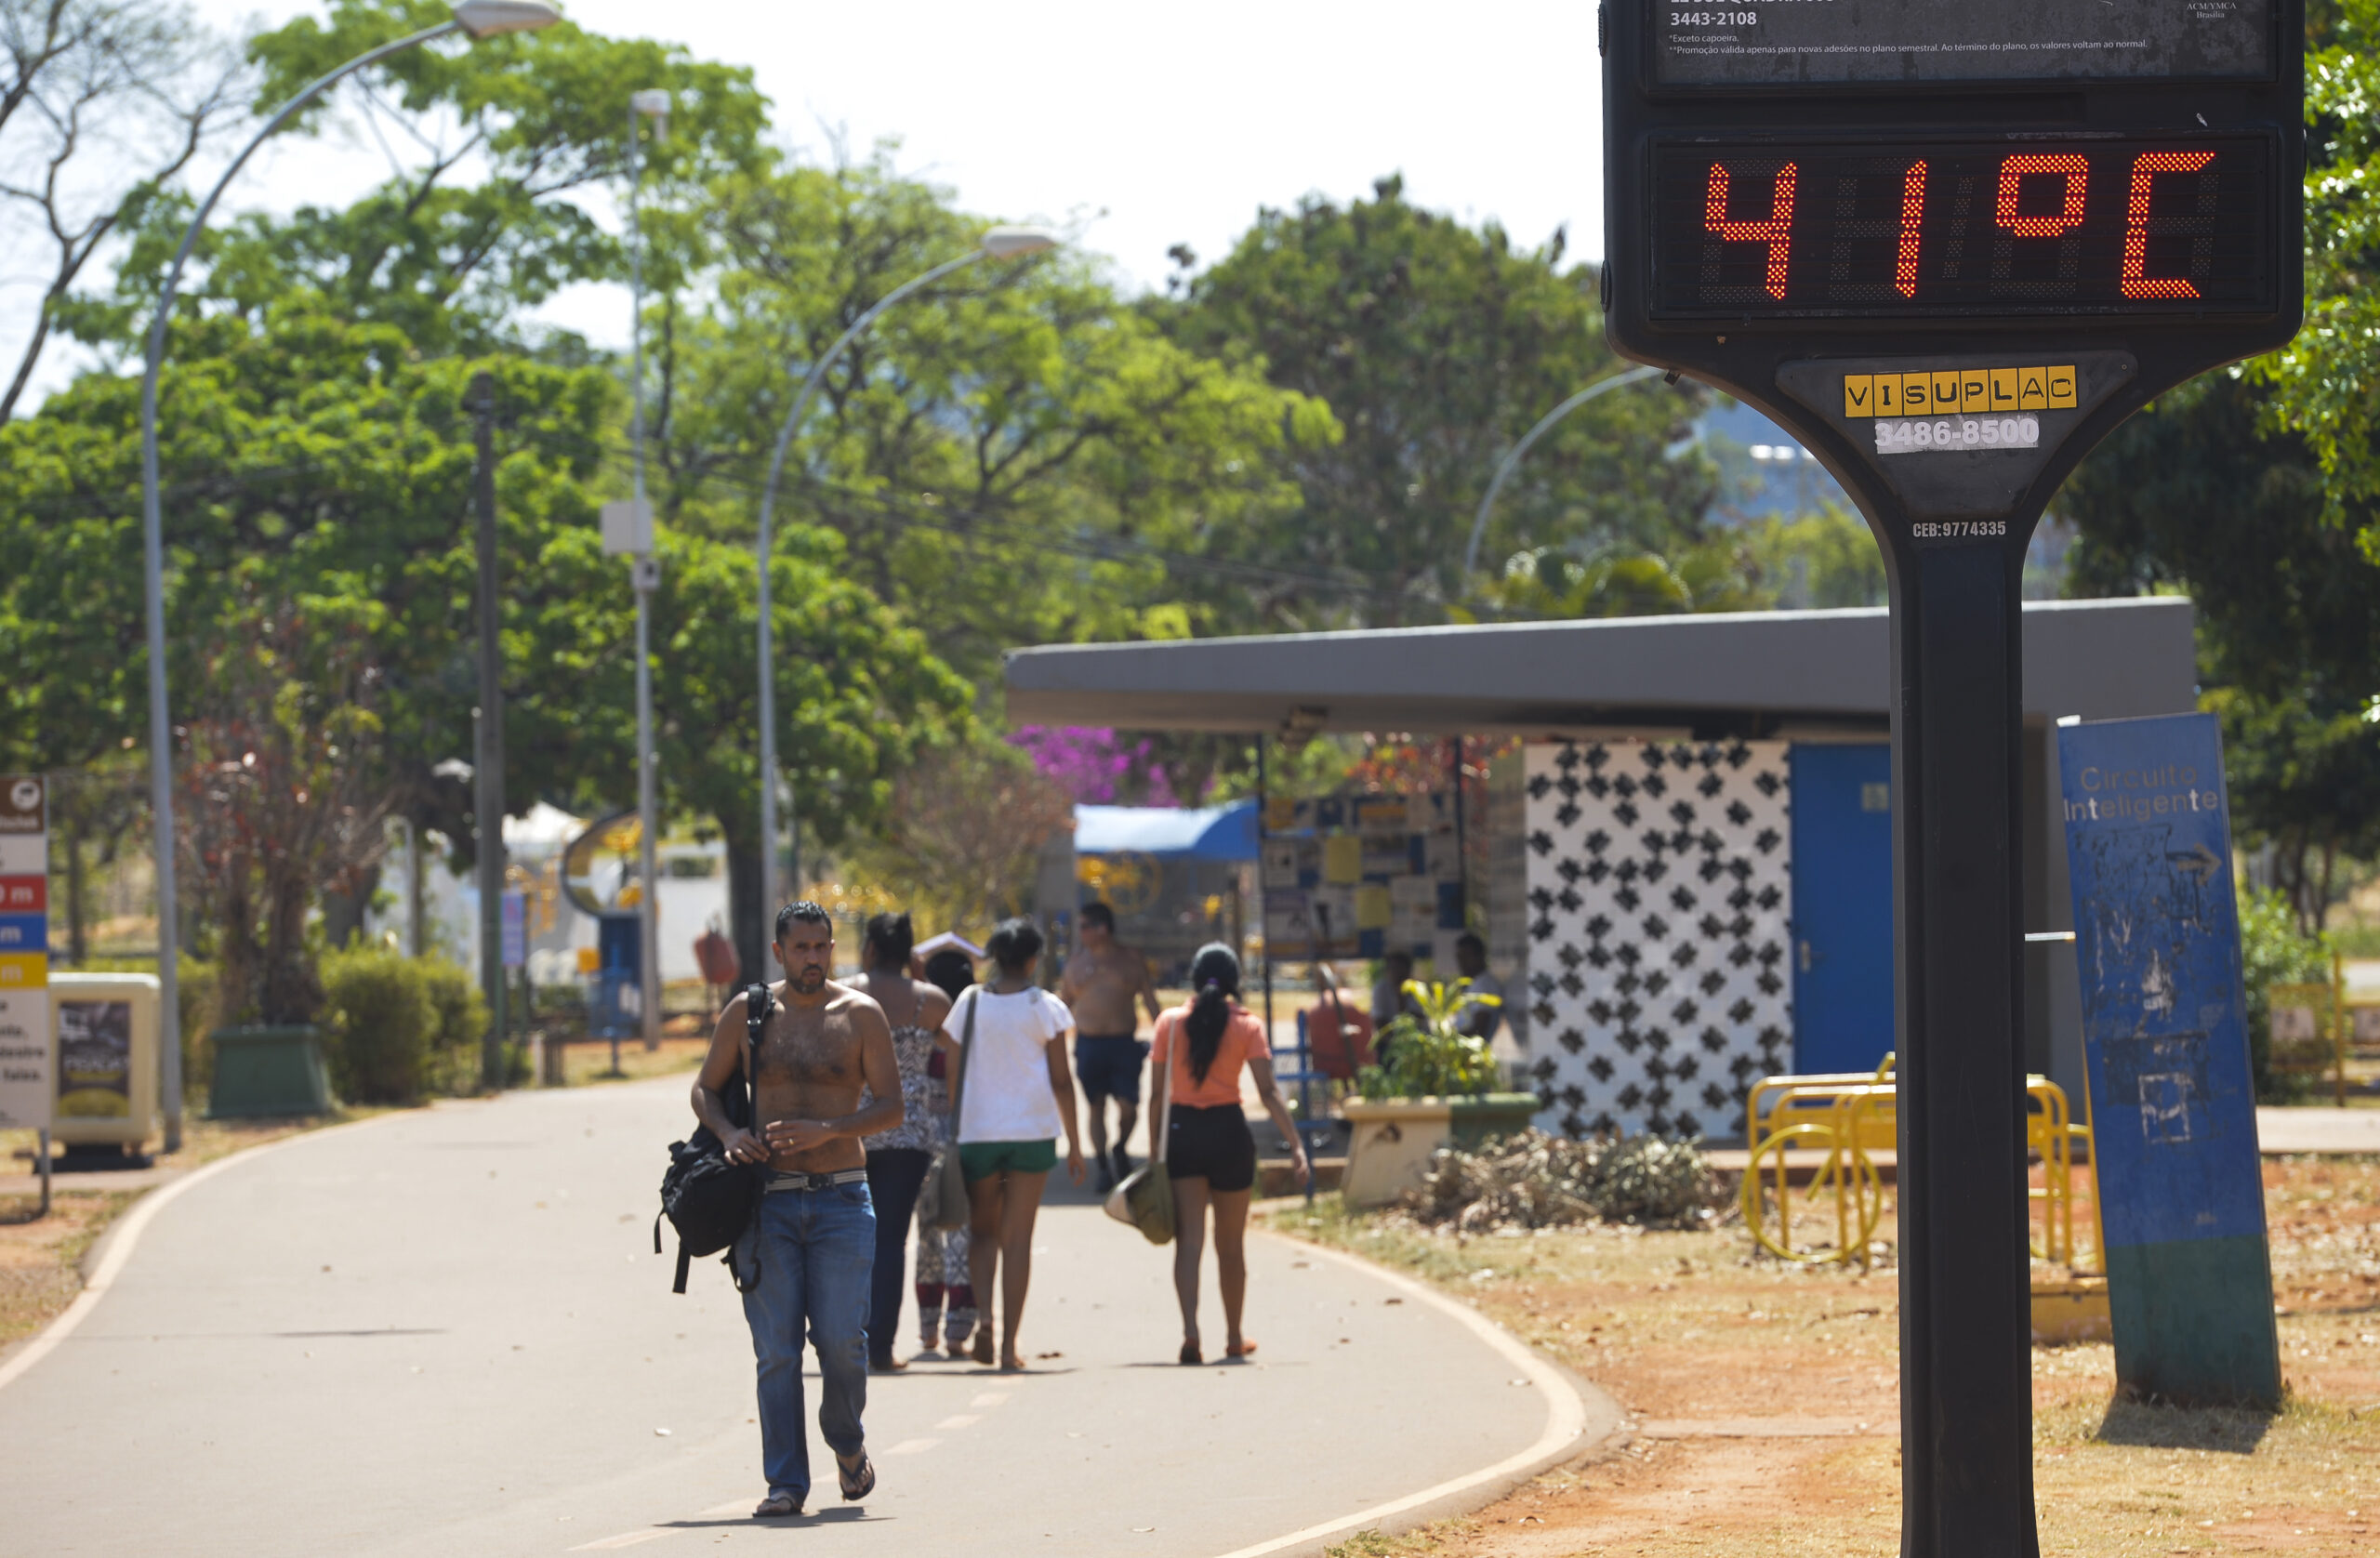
2145, 169
1776, 231
1912, 210
2078, 178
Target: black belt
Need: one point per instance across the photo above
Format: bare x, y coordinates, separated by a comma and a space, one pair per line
782, 1181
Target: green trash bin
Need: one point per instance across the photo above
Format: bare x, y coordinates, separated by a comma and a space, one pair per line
264, 1072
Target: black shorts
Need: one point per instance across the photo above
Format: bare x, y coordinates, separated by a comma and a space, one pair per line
1213, 1144
1109, 1066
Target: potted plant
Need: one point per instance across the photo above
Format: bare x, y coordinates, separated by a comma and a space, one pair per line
1435, 1085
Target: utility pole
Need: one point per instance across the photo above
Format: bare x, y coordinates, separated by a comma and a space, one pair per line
646, 574
488, 770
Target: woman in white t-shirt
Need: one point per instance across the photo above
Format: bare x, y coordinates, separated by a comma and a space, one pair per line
1016, 1095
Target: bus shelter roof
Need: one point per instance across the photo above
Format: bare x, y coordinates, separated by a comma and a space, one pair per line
1754, 673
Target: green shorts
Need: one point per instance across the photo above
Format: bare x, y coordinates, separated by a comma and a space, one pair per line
981, 1160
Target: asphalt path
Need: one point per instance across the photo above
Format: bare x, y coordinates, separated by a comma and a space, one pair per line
445, 1332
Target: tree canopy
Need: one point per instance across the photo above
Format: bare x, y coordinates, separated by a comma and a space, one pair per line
1436, 346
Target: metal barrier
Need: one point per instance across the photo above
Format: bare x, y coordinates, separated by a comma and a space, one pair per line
1850, 1115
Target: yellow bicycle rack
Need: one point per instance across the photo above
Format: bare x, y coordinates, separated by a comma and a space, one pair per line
1843, 1116
1849, 1116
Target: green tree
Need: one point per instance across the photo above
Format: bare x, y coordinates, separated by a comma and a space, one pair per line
316, 480
1718, 575
2326, 383
542, 115
1827, 560
858, 691
318, 473
1437, 348
2200, 493
1009, 455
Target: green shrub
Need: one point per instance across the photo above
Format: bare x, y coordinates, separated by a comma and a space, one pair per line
379, 1019
1428, 1055
456, 1058
2273, 951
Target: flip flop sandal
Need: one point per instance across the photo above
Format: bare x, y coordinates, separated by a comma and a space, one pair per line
776, 1505
1190, 1353
857, 1483
983, 1353
1239, 1351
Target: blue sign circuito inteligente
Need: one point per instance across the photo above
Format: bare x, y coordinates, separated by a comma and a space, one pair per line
2157, 946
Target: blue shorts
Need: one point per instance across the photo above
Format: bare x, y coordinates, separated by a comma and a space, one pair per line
1109, 1066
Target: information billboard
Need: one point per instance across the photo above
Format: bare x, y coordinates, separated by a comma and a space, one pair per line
1802, 43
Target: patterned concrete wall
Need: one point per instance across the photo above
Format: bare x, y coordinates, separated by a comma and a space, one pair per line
1659, 888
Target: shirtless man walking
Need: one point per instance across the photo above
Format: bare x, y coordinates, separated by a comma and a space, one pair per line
1102, 982
813, 1241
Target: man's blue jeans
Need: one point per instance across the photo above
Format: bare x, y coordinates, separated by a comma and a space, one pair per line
816, 1249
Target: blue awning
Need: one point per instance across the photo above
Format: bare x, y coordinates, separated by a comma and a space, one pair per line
1167, 833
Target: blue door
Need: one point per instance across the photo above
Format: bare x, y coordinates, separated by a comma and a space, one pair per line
1843, 907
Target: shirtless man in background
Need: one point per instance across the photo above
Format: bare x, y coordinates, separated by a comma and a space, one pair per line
813, 1241
1102, 982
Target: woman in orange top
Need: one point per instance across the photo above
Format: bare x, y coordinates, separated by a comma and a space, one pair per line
1209, 1155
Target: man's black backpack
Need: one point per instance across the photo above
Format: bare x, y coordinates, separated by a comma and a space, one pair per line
708, 1200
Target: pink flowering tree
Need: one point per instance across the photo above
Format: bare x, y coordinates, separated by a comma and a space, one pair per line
1092, 764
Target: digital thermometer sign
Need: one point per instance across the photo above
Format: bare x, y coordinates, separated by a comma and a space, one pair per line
1947, 228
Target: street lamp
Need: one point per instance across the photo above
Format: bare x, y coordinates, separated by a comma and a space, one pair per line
645, 573
476, 19
1511, 460
999, 242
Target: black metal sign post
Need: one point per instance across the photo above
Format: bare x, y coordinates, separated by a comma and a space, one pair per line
1950, 244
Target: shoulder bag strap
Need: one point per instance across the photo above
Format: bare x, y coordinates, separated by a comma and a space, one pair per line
1165, 1116
966, 1049
758, 1005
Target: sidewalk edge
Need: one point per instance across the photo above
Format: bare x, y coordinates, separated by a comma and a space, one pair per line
1578, 1418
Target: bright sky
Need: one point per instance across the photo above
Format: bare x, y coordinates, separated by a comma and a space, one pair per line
1142, 126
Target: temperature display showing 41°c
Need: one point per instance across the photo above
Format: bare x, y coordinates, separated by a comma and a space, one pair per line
2036, 227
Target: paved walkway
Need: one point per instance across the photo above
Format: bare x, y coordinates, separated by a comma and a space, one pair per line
2296, 1129
444, 1332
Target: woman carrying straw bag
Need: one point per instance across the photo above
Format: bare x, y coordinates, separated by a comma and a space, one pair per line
1209, 1153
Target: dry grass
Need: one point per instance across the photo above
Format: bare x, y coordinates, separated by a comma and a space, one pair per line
589, 1061
1690, 1332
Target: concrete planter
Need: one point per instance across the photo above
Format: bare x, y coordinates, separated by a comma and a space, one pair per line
265, 1072
1392, 1138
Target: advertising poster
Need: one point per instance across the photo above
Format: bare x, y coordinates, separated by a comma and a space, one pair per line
94, 1060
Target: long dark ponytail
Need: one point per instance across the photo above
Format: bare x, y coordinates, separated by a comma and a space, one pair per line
1214, 975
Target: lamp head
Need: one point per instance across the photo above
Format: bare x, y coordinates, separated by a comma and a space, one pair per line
486, 19
653, 103
1007, 243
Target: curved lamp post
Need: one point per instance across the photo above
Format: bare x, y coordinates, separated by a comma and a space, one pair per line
1000, 243
1479, 524
475, 18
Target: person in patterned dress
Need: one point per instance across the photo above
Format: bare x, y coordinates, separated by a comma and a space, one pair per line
941, 1252
898, 1158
